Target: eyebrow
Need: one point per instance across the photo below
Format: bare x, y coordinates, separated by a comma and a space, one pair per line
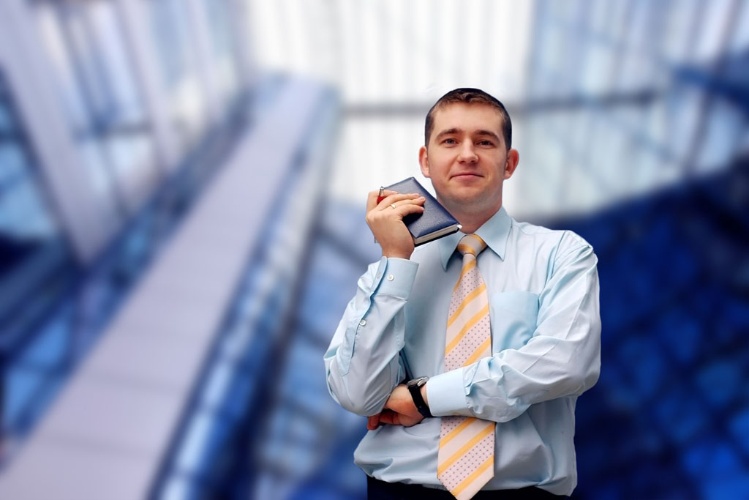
451, 131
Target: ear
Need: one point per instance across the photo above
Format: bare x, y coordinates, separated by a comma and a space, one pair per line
513, 158
424, 161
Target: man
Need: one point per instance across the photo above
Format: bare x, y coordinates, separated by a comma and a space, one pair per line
468, 363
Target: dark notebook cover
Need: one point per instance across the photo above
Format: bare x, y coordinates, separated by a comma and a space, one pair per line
435, 222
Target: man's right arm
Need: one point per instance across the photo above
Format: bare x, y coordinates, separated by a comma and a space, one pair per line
363, 362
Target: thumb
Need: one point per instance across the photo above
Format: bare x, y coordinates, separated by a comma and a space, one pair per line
373, 422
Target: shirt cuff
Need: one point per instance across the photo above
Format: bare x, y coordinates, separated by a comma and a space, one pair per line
446, 394
396, 277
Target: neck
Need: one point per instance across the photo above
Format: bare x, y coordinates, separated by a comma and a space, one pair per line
470, 227
471, 221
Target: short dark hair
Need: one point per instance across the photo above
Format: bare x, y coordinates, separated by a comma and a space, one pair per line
469, 96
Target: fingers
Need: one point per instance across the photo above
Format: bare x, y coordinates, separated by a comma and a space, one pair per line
400, 202
385, 220
373, 422
387, 417
395, 207
374, 195
390, 417
392, 199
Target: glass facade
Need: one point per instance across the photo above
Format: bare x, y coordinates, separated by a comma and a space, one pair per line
53, 308
179, 68
103, 103
648, 126
214, 450
36, 268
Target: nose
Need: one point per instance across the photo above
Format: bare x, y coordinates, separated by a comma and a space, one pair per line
467, 152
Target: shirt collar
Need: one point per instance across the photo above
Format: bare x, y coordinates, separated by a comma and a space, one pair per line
494, 232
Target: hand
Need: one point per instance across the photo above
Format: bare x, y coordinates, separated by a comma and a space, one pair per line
399, 410
385, 220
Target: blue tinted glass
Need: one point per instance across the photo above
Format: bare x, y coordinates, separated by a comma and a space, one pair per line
6, 124
20, 384
12, 164
49, 347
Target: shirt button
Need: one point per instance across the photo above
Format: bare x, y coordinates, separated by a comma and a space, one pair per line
391, 277
362, 322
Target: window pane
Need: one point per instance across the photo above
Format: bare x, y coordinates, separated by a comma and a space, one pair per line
103, 101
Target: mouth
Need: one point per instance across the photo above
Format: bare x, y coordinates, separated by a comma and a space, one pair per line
466, 175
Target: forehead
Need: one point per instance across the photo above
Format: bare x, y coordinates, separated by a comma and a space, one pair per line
467, 117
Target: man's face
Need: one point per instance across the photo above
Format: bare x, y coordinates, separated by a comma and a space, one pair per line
467, 158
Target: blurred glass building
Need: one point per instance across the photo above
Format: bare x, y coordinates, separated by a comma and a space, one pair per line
182, 188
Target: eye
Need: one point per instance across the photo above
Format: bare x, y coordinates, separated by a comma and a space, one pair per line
486, 143
449, 141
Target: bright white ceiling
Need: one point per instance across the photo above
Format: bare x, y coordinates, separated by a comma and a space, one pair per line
391, 59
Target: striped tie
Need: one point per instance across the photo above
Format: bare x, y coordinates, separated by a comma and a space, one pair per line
465, 462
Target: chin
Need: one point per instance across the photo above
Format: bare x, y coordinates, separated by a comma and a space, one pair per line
475, 198
467, 194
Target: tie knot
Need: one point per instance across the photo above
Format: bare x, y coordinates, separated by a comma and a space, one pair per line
472, 244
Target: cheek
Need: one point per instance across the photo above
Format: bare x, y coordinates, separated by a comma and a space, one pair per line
435, 167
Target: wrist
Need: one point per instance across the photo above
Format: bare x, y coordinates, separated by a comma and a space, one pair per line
417, 388
397, 254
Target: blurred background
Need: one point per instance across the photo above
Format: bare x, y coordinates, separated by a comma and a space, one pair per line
182, 188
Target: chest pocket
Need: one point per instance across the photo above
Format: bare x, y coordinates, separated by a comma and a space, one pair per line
513, 317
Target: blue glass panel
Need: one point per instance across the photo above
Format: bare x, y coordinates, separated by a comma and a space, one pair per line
12, 165
739, 426
102, 99
6, 123
49, 348
21, 385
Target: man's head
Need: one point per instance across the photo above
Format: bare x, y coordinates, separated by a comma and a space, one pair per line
467, 154
469, 96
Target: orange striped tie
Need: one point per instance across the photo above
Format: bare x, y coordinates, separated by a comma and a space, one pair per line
465, 462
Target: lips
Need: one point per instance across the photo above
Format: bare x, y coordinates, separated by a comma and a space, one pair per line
465, 175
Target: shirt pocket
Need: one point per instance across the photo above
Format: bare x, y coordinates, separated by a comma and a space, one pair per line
513, 316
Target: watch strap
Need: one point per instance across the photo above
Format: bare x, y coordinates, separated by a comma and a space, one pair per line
414, 387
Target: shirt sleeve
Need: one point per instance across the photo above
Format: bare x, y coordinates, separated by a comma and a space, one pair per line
363, 362
562, 358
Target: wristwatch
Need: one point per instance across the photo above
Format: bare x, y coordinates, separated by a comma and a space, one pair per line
414, 387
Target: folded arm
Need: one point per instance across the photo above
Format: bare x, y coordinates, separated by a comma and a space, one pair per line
562, 358
363, 363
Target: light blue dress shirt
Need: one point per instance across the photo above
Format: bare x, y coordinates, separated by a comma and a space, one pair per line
545, 322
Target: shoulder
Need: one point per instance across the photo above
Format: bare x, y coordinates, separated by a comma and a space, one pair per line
555, 242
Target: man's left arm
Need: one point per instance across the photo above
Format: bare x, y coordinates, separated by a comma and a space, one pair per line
561, 359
